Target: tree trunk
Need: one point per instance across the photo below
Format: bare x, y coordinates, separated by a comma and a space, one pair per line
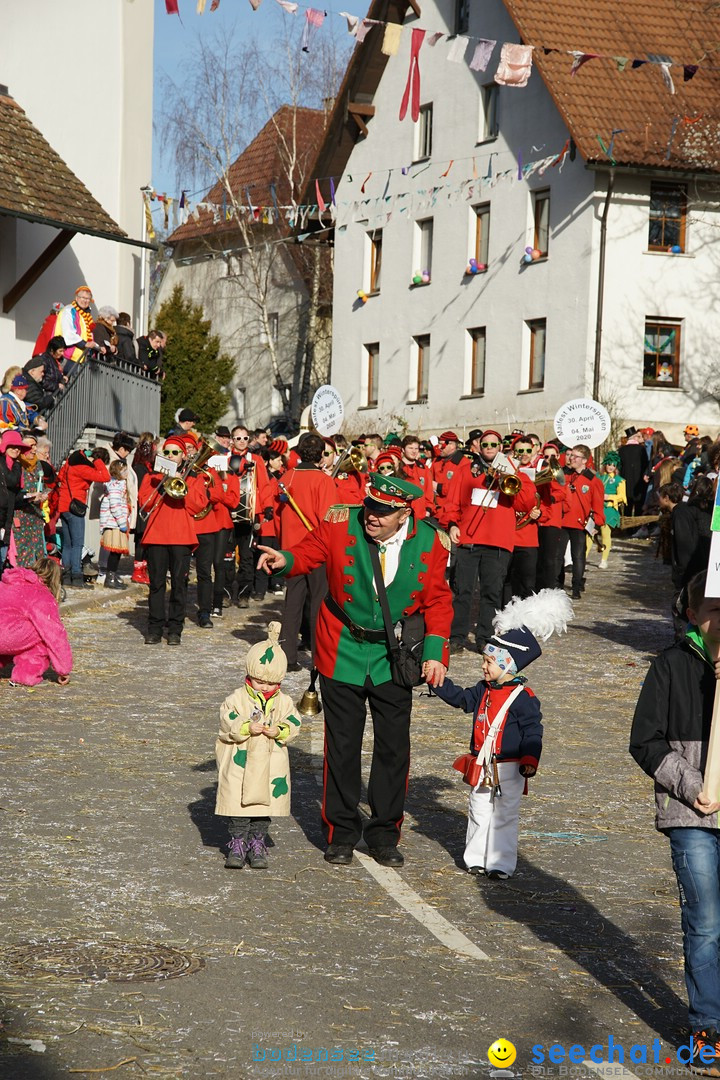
311, 330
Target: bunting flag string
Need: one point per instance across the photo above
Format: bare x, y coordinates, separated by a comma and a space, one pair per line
512, 55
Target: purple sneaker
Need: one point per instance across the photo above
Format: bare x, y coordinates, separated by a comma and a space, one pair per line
257, 853
237, 853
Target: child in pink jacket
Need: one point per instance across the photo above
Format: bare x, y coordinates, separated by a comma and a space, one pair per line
32, 635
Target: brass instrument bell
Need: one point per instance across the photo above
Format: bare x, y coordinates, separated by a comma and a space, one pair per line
509, 483
309, 704
352, 458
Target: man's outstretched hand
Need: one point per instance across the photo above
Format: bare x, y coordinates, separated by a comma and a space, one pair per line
271, 561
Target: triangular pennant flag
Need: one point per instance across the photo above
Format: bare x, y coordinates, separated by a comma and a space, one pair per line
688, 71
434, 38
622, 62
580, 59
318, 194
171, 7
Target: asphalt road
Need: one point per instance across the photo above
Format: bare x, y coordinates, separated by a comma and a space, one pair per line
112, 865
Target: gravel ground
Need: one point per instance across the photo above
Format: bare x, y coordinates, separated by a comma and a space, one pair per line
113, 866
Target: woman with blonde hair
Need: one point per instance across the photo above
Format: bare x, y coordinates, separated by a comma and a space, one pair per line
32, 635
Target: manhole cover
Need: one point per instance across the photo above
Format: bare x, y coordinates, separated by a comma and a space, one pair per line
96, 961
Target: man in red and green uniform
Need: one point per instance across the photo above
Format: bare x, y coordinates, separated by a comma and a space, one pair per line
352, 653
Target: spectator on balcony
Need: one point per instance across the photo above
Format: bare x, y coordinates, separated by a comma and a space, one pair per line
8, 377
48, 329
14, 413
104, 333
75, 323
80, 470
126, 349
151, 353
54, 380
36, 396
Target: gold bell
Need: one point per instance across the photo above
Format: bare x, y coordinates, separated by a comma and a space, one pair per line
309, 703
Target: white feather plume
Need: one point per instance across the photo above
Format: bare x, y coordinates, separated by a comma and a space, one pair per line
545, 613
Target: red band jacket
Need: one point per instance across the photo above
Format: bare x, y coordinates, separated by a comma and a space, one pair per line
483, 514
585, 496
314, 493
171, 521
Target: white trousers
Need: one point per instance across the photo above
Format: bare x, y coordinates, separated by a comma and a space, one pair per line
492, 832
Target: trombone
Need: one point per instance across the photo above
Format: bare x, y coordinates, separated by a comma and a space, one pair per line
175, 487
509, 483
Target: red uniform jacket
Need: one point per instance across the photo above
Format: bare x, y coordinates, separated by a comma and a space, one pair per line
340, 546
271, 501
223, 496
585, 496
492, 524
171, 520
351, 488
443, 472
313, 491
553, 500
75, 479
419, 474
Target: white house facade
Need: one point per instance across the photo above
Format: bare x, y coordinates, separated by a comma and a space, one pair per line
563, 304
84, 80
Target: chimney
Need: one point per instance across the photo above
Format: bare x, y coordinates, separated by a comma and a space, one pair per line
4, 91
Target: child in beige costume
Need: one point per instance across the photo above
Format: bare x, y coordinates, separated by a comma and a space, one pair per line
256, 722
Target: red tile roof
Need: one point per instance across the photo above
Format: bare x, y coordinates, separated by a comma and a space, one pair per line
36, 184
599, 99
265, 162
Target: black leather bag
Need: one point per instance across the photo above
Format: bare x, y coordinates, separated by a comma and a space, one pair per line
405, 651
77, 508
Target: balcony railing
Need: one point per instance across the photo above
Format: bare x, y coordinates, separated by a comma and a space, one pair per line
112, 397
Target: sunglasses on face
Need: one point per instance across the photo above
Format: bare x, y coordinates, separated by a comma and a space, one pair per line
386, 469
489, 445
523, 450
328, 453
173, 451
241, 438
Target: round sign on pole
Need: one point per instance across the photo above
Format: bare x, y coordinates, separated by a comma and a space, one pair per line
327, 411
583, 421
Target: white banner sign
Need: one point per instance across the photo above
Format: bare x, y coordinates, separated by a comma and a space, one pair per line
327, 411
583, 421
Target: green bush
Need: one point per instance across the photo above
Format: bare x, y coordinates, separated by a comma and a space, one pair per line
197, 373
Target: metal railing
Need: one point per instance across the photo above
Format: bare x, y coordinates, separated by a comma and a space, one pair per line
110, 397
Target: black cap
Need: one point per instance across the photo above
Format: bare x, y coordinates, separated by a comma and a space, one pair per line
223, 431
187, 414
476, 433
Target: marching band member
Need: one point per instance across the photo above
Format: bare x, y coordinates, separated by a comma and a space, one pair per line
310, 493
585, 500
481, 521
213, 525
169, 539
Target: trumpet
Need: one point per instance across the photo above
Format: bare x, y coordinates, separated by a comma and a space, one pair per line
353, 458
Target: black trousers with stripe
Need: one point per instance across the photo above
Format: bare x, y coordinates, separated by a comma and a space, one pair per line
344, 706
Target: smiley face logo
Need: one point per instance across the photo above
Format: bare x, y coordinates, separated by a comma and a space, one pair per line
501, 1054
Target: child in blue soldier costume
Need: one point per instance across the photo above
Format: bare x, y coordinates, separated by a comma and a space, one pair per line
506, 740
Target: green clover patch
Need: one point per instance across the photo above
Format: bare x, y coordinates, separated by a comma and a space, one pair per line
240, 757
268, 656
232, 715
293, 720
279, 786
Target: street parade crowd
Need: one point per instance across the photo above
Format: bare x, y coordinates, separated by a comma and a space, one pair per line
394, 553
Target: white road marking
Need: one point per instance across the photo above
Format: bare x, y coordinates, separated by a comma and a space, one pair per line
393, 884
425, 914
610, 1069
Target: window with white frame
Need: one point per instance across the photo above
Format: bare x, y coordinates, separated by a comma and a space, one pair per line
277, 405
536, 370
423, 133
422, 249
482, 233
422, 367
273, 324
375, 239
477, 360
661, 352
541, 221
372, 356
488, 112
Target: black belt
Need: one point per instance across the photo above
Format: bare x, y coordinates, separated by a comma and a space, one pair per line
360, 633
